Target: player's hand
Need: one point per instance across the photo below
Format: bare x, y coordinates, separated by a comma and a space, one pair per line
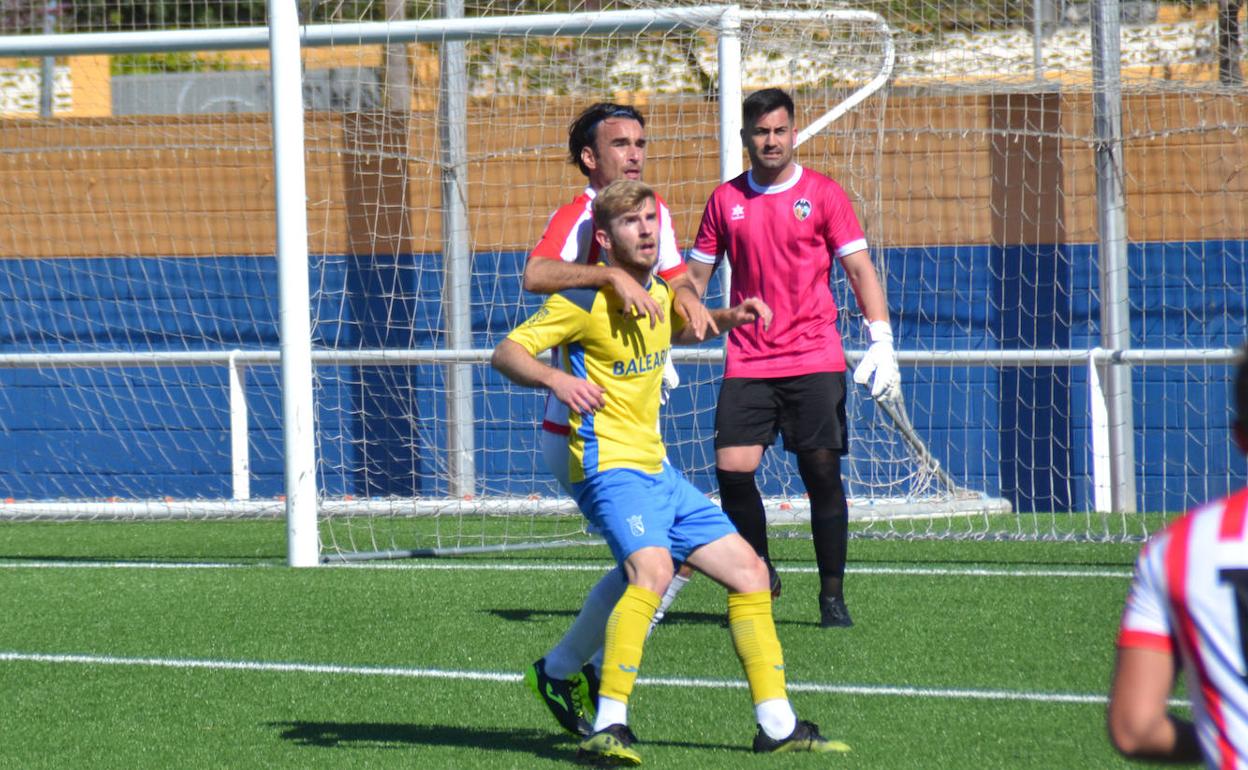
751, 310
696, 316
879, 365
637, 301
579, 395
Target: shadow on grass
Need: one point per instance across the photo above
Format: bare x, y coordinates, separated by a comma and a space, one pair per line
374, 735
525, 615
380, 735
171, 559
675, 617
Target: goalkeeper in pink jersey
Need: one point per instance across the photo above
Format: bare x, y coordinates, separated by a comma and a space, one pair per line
1188, 610
781, 227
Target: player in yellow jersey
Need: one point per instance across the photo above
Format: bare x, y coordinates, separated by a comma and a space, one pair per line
610, 372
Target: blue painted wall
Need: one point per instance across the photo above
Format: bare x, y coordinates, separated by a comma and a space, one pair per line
151, 432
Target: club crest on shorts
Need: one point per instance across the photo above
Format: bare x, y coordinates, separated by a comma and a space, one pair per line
801, 209
636, 526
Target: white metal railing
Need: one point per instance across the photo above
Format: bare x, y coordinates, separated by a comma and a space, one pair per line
407, 357
237, 362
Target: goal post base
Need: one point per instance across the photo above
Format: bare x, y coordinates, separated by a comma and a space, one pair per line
795, 511
779, 510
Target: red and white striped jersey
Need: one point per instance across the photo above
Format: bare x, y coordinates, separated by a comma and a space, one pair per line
569, 236
1189, 597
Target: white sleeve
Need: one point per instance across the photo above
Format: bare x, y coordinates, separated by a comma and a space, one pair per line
706, 259
1145, 621
669, 251
851, 247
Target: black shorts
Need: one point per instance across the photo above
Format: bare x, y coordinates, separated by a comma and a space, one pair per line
808, 410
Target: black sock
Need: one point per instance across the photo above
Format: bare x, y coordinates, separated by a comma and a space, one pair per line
829, 517
740, 499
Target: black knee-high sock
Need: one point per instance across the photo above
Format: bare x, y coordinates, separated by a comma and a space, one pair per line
740, 499
829, 516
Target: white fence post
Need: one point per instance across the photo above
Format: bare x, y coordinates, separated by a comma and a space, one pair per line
240, 460
1098, 427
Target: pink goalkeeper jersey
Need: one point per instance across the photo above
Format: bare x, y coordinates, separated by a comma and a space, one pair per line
1189, 598
780, 242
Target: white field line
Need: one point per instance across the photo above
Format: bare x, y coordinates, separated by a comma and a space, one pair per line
578, 567
496, 676
121, 565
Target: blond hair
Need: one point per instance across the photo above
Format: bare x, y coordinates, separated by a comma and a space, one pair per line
619, 197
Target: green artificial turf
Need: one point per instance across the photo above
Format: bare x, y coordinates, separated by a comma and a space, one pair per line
959, 652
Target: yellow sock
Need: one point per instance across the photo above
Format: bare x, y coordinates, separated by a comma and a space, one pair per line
758, 647
626, 635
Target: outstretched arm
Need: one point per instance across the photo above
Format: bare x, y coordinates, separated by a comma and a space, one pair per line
515, 363
688, 305
1138, 722
547, 276
749, 311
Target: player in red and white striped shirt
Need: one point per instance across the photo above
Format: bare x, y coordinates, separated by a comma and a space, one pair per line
1188, 609
607, 142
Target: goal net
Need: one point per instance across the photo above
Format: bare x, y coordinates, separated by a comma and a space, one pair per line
139, 346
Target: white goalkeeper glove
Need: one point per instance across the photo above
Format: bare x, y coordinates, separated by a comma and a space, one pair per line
879, 364
671, 380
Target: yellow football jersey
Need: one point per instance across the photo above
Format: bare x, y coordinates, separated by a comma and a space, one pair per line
598, 342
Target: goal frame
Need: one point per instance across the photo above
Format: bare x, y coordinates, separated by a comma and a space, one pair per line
284, 37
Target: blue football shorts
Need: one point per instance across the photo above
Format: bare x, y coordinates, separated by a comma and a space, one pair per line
635, 510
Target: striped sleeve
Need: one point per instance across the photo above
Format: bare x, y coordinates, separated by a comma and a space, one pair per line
669, 264
562, 238
1145, 622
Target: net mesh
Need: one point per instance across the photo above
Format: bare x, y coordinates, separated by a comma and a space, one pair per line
138, 220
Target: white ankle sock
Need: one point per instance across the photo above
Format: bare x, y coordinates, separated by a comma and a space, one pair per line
776, 717
611, 712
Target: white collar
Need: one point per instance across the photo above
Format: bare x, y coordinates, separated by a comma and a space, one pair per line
775, 188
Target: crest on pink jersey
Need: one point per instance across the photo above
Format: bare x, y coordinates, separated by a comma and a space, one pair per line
801, 209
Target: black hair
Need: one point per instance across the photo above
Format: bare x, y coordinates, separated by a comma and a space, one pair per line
584, 129
762, 102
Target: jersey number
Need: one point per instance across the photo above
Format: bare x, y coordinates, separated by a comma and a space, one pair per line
1238, 578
